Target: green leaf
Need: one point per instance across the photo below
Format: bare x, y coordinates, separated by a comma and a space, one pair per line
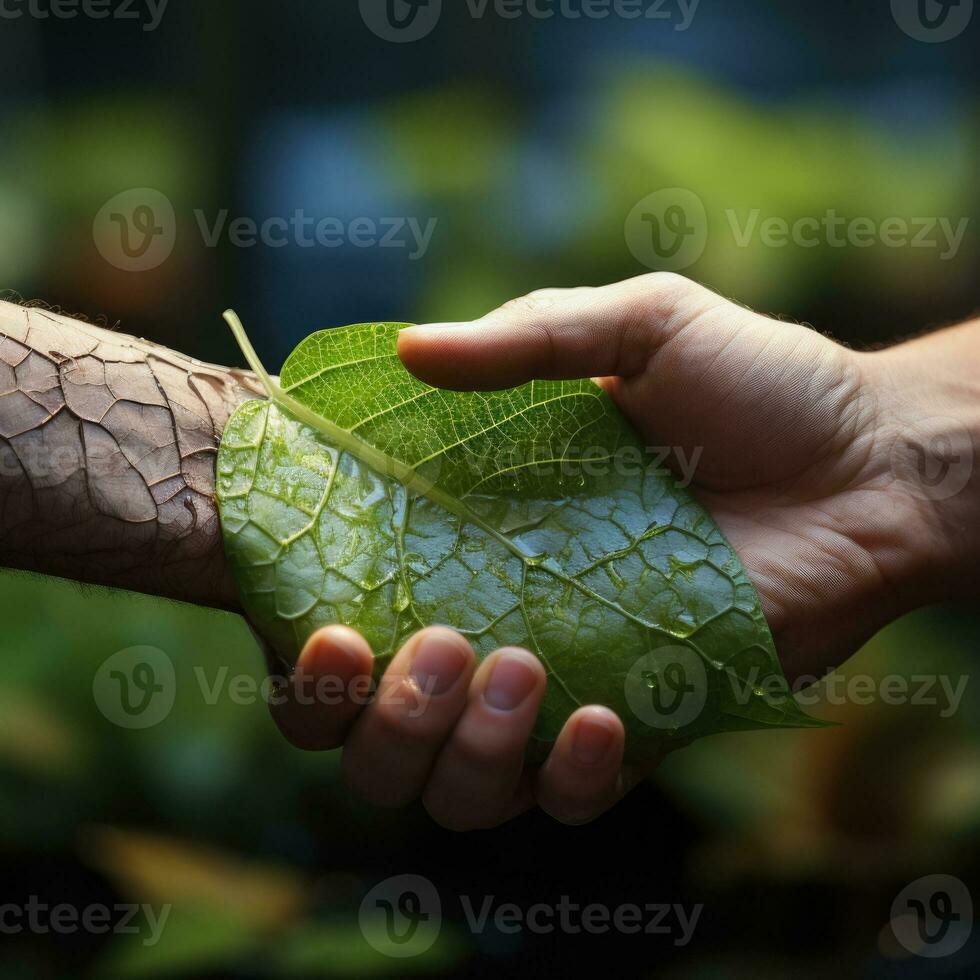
531, 517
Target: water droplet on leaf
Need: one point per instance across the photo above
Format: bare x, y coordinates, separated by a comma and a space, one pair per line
402, 599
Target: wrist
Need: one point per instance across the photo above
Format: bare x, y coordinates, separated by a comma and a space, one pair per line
927, 460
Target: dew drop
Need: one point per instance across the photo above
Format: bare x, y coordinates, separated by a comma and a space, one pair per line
401, 599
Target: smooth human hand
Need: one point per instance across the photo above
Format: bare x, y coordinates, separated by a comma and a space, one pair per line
794, 443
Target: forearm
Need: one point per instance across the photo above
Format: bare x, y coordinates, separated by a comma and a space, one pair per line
929, 404
107, 458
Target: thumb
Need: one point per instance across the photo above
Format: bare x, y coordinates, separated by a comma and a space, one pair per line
553, 334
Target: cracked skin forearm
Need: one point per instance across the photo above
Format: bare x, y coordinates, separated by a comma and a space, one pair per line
107, 458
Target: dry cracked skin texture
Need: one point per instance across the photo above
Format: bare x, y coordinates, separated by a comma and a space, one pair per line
107, 458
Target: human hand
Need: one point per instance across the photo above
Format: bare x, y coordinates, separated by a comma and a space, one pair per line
793, 436
455, 733
795, 439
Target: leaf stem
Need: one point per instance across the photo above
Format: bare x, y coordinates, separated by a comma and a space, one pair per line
233, 321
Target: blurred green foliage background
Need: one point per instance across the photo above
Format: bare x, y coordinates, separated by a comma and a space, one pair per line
530, 142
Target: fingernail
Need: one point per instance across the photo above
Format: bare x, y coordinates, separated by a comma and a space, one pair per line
339, 647
511, 683
592, 741
437, 665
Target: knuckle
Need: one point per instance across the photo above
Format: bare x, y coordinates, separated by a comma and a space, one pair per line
480, 754
668, 282
670, 301
667, 286
404, 715
530, 304
664, 292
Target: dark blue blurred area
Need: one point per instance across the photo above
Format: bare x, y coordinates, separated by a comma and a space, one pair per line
497, 129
